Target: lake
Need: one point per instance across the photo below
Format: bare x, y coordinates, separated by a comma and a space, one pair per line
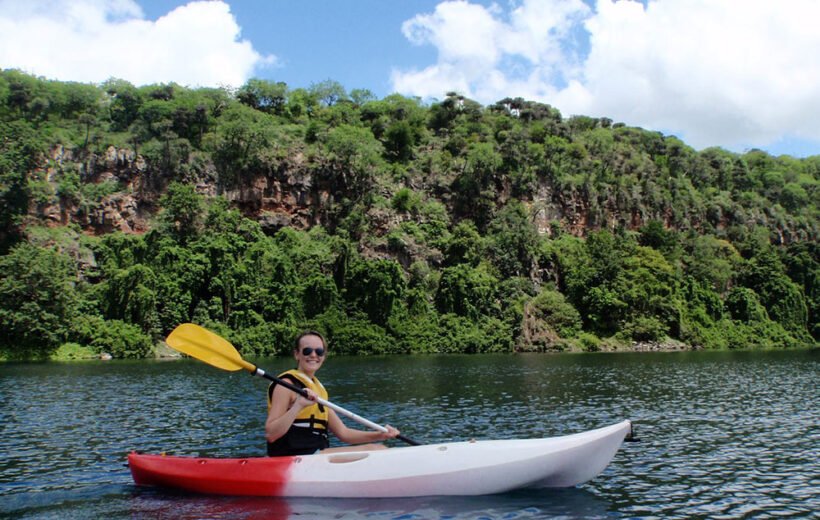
723, 434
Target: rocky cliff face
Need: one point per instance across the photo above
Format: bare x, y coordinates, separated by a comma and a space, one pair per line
293, 195
286, 197
128, 209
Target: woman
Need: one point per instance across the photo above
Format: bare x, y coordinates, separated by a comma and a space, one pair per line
298, 425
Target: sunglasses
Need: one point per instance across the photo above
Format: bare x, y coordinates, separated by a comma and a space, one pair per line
310, 350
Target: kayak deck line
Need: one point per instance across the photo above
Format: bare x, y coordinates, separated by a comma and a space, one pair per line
454, 468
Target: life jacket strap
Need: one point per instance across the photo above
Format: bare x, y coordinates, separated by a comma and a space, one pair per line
310, 423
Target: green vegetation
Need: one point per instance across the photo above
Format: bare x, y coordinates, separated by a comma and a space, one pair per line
391, 225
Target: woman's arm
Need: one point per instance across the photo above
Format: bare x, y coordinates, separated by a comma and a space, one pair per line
352, 436
285, 406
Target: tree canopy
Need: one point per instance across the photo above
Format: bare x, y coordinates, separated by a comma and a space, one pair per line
392, 225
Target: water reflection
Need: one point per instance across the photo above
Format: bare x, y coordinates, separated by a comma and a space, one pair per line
567, 503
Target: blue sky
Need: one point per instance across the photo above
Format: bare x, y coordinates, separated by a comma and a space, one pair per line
354, 42
729, 73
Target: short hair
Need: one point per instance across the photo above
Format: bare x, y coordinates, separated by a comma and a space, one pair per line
309, 333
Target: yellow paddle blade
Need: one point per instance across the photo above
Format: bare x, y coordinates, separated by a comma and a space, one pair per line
206, 346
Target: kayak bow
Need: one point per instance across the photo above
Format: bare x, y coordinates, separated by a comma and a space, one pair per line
455, 468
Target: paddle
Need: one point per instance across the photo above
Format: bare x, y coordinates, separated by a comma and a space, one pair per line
206, 346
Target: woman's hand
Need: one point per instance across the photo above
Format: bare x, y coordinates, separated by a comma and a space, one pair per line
285, 406
391, 433
303, 402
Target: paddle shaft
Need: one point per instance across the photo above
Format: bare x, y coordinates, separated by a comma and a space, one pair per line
343, 411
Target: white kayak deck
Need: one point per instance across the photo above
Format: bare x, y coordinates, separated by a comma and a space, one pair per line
459, 468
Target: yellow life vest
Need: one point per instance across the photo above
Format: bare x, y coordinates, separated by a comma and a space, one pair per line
313, 417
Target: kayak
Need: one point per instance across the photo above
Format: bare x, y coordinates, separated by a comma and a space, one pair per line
454, 468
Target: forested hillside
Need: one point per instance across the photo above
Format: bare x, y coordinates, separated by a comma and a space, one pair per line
391, 225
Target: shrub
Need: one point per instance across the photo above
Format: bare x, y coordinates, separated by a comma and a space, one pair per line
645, 328
266, 339
356, 336
319, 294
406, 200
121, 340
415, 333
72, 351
557, 312
458, 334
589, 342
744, 305
467, 291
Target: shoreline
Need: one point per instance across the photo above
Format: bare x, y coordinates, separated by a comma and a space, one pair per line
635, 347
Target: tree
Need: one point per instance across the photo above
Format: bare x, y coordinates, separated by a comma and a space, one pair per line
465, 245
399, 122
592, 276
131, 296
121, 340
802, 261
360, 96
513, 240
714, 262
653, 234
328, 92
648, 287
239, 142
744, 305
467, 291
264, 95
445, 188
20, 149
355, 154
125, 103
182, 279
37, 300
319, 294
375, 287
267, 287
793, 196
182, 210
783, 299
399, 140
475, 188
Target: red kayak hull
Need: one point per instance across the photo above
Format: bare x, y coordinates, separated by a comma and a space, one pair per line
248, 476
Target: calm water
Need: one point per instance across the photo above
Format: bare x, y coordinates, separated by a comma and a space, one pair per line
724, 435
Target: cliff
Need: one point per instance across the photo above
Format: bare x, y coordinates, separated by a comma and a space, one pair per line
393, 224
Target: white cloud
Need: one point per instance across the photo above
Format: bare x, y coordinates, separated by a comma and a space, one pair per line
197, 44
734, 73
482, 55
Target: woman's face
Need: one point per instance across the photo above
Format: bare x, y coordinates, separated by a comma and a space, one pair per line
307, 356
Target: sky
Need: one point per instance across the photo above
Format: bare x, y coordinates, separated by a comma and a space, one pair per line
739, 74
